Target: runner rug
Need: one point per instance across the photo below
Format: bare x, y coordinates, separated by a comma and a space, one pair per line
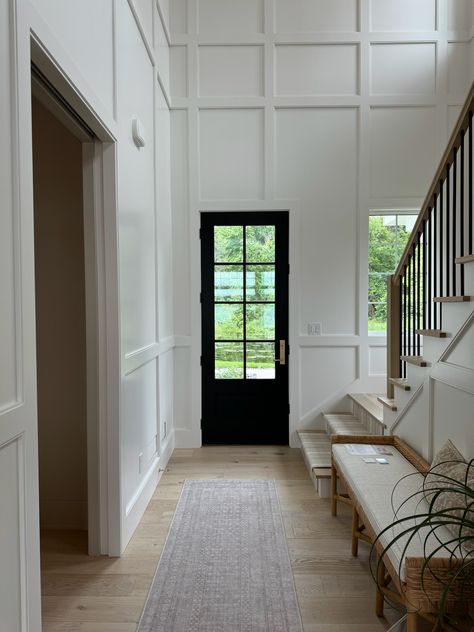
225, 565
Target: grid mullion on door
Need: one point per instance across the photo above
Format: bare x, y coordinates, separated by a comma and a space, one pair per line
245, 299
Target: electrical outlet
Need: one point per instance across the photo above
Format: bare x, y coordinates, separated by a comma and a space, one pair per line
314, 329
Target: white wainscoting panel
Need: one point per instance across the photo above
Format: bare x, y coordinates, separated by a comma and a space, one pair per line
8, 334
231, 154
459, 15
140, 397
453, 114
377, 360
182, 380
230, 71
313, 147
166, 373
145, 11
321, 69
136, 188
318, 384
403, 15
10, 358
299, 16
179, 71
164, 255
403, 69
85, 28
179, 17
448, 400
162, 53
230, 17
12, 526
403, 151
414, 426
180, 222
459, 68
462, 353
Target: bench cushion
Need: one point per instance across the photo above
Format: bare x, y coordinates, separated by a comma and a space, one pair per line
383, 492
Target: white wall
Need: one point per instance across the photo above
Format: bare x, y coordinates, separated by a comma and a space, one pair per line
328, 109
115, 56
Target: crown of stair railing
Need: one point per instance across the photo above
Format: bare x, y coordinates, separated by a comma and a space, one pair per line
431, 269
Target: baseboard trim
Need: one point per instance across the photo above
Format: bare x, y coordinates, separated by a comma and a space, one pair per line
139, 502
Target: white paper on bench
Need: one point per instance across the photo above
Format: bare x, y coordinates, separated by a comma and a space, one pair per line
383, 501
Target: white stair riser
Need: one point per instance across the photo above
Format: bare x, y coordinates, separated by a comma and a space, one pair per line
454, 315
389, 416
469, 279
373, 425
401, 398
434, 347
324, 487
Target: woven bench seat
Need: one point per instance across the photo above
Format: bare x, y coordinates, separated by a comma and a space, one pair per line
381, 494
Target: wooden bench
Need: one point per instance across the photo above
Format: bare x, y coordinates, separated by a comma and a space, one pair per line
375, 492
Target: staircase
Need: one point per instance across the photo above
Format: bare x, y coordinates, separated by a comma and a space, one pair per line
430, 304
366, 417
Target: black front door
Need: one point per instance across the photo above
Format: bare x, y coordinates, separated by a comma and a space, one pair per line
244, 268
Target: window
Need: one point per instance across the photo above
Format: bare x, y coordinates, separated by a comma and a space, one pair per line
388, 235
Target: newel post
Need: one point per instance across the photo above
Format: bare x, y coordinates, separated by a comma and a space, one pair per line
393, 332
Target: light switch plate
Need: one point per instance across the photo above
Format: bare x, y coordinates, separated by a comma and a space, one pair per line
314, 329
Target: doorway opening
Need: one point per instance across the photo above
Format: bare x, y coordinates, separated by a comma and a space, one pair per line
77, 332
60, 322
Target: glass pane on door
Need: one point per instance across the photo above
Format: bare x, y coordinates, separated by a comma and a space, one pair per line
260, 361
229, 363
228, 244
228, 283
260, 283
244, 302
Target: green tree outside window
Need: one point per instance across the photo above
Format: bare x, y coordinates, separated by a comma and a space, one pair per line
388, 236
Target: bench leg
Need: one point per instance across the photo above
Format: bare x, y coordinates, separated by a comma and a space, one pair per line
412, 622
379, 597
333, 491
355, 529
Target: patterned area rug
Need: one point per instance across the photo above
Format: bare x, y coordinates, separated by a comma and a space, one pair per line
225, 564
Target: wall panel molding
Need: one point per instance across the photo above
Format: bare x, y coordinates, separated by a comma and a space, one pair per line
366, 26
136, 359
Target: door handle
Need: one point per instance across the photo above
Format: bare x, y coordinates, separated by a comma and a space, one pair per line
282, 358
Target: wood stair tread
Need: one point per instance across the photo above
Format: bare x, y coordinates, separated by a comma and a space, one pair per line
453, 299
416, 360
464, 259
433, 333
400, 382
388, 403
368, 401
322, 472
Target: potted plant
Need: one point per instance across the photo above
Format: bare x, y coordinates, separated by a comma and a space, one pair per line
443, 522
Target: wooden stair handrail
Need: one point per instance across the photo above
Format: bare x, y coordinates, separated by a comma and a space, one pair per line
440, 175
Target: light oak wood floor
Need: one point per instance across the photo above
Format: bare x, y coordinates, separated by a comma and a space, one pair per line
335, 591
